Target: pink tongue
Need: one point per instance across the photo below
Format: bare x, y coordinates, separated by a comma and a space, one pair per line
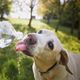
20, 47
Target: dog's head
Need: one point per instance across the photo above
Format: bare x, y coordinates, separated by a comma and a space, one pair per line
42, 42
44, 45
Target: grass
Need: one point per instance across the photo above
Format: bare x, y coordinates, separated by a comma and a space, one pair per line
14, 66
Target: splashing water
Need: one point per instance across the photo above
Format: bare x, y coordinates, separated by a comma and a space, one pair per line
8, 34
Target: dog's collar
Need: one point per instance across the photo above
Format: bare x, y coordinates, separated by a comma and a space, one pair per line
49, 68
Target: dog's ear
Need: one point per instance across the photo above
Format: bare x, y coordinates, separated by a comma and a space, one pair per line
64, 60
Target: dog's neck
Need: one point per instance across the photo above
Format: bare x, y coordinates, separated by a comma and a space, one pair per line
44, 64
50, 69
54, 65
57, 72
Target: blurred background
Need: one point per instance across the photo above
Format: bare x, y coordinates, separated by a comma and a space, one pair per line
61, 16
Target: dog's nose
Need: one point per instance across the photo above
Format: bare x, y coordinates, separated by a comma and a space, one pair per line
32, 39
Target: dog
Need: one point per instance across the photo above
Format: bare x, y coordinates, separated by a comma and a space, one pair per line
51, 60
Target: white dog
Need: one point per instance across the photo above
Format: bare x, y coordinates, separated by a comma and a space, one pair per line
51, 61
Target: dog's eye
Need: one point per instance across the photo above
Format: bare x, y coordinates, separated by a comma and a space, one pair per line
50, 45
40, 32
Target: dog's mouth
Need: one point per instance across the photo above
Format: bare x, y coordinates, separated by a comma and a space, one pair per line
27, 44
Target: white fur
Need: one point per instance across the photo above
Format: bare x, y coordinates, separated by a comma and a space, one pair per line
44, 58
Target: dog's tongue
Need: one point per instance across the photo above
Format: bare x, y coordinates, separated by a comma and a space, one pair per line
20, 47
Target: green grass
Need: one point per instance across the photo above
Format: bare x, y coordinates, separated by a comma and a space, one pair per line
16, 66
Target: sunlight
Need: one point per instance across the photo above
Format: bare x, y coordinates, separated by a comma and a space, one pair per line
24, 10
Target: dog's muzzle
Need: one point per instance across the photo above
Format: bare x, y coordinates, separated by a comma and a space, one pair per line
26, 44
31, 40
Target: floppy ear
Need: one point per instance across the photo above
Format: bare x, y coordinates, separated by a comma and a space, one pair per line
64, 60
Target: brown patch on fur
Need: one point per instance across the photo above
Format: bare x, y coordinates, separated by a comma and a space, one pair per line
64, 60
